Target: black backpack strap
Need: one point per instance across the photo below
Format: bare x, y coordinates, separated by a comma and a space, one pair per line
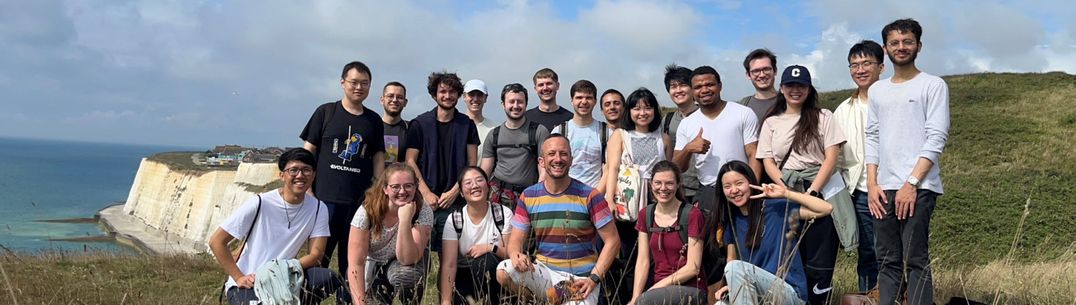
563, 128
650, 218
532, 137
683, 220
495, 133
457, 221
498, 216
668, 121
604, 136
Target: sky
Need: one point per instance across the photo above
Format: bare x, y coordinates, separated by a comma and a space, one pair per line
198, 73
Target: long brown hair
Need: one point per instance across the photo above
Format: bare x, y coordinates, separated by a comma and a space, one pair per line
806, 131
376, 204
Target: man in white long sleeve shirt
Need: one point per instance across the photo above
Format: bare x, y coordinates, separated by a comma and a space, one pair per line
907, 127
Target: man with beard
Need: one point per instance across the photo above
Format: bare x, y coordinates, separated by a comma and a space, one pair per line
475, 98
394, 99
717, 133
441, 142
907, 128
678, 84
510, 151
567, 218
347, 139
760, 66
612, 104
547, 112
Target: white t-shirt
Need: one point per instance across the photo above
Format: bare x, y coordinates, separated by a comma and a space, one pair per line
733, 128
272, 237
383, 248
484, 128
484, 232
587, 158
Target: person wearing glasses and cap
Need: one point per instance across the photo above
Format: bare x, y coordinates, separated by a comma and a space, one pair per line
474, 95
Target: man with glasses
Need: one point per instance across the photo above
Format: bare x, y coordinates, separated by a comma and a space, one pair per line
865, 66
394, 99
348, 139
760, 66
547, 112
510, 151
474, 95
275, 225
907, 128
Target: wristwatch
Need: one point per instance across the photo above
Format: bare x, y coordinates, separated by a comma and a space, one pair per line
595, 278
494, 248
815, 194
913, 181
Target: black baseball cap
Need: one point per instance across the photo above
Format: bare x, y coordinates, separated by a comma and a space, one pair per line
796, 74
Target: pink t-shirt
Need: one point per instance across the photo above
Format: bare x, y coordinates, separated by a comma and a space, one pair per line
775, 139
667, 258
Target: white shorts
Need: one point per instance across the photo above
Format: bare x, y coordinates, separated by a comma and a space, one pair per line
539, 280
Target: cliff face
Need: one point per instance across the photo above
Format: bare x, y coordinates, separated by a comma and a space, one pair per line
191, 204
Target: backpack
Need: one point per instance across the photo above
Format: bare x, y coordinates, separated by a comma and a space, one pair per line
681, 221
532, 139
666, 123
603, 135
457, 218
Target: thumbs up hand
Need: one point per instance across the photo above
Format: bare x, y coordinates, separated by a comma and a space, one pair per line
698, 145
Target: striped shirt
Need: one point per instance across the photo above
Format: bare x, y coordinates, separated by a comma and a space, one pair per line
565, 225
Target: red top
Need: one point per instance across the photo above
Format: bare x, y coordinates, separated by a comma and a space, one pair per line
665, 247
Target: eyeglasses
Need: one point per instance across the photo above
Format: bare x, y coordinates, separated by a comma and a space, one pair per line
355, 83
897, 43
398, 187
864, 65
294, 171
760, 71
394, 97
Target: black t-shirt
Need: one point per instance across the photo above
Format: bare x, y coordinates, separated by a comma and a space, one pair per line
346, 145
445, 134
548, 119
396, 141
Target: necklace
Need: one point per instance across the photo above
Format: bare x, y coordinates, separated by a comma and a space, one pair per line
287, 210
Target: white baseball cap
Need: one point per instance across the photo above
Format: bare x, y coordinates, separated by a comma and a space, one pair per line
475, 84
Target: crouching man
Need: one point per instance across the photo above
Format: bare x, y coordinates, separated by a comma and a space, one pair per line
567, 218
274, 225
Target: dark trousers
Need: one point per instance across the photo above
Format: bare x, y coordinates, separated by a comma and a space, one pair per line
340, 216
867, 266
319, 284
478, 282
818, 251
672, 295
903, 252
713, 262
618, 281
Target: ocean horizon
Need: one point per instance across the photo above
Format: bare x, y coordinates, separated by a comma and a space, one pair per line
48, 180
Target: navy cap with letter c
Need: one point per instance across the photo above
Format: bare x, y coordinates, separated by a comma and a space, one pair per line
796, 74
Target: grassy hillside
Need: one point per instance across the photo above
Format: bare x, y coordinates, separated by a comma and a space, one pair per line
1011, 144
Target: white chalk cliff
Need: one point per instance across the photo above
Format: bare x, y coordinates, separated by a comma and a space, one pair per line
189, 204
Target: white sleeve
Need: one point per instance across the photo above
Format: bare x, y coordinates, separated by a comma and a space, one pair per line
750, 128
507, 228
684, 133
449, 230
321, 224
238, 223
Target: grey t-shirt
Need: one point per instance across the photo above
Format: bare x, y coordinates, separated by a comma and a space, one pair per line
690, 176
759, 106
515, 165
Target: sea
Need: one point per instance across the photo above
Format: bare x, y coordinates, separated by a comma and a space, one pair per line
42, 181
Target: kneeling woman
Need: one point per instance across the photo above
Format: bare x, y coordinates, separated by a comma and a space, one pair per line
390, 231
473, 244
670, 238
761, 234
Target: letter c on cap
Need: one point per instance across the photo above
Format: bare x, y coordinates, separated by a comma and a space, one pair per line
795, 72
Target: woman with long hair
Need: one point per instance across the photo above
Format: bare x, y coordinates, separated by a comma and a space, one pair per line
391, 231
631, 152
473, 244
670, 245
762, 238
799, 143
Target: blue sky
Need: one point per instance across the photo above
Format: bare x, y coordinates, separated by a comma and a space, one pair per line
201, 73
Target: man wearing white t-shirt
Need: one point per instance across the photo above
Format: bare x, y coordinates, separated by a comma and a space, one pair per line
275, 225
585, 136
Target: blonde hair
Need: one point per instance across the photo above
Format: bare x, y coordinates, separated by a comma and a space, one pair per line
376, 204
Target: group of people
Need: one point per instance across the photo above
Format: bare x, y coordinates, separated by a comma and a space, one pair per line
743, 202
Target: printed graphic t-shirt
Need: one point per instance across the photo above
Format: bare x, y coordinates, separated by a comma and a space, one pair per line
346, 147
395, 141
565, 225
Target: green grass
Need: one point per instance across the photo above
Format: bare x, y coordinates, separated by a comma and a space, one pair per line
181, 161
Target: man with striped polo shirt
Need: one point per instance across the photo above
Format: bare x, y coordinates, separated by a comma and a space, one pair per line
567, 218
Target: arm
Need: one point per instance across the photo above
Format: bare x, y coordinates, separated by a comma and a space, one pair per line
515, 250
427, 195
826, 171
614, 149
668, 146
811, 207
773, 171
689, 270
218, 243
358, 246
487, 165
472, 154
410, 240
449, 254
609, 251
754, 163
379, 163
316, 249
310, 147
642, 266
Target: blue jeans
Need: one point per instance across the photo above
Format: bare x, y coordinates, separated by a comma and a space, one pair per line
319, 284
750, 285
867, 269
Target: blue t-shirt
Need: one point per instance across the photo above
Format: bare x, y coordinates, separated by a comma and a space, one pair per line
767, 254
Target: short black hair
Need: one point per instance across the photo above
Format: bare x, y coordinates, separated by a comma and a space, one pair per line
757, 54
901, 26
703, 70
584, 86
395, 84
608, 92
297, 154
514, 88
357, 65
449, 79
637, 96
676, 73
867, 48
